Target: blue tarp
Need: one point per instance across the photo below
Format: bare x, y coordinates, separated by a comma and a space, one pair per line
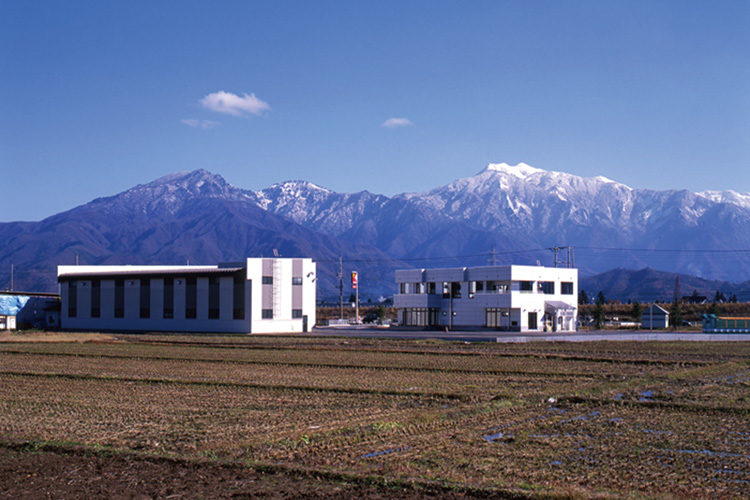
11, 304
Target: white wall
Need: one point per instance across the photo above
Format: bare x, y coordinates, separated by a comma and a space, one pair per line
470, 312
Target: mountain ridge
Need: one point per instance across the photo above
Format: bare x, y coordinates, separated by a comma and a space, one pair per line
511, 209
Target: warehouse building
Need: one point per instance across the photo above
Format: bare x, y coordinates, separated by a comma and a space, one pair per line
514, 298
259, 295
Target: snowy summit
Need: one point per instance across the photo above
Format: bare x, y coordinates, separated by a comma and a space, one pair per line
521, 170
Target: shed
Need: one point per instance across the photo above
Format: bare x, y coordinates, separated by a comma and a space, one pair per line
655, 317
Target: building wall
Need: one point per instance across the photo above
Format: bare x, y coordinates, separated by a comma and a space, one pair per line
470, 309
282, 297
156, 322
659, 322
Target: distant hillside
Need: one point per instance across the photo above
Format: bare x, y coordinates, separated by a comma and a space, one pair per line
649, 284
519, 212
195, 216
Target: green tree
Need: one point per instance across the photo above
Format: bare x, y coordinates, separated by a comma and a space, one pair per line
599, 315
600, 299
714, 309
675, 314
583, 298
719, 297
381, 313
637, 311
733, 298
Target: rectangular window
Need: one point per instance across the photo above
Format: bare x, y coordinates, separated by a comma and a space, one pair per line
296, 281
547, 287
527, 286
119, 298
213, 297
72, 298
238, 299
145, 298
191, 298
267, 313
96, 298
168, 298
497, 287
456, 289
431, 288
268, 280
566, 288
420, 316
296, 313
479, 286
402, 288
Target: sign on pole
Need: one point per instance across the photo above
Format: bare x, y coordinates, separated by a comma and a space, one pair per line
354, 279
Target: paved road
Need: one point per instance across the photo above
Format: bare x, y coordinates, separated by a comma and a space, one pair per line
494, 336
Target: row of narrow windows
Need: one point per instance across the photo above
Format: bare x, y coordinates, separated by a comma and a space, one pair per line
268, 280
191, 298
448, 289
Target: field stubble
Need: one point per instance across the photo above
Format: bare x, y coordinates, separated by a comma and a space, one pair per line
622, 418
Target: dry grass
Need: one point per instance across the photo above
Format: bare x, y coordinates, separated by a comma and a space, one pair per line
35, 337
627, 418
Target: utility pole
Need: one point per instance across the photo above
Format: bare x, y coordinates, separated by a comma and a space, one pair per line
555, 249
341, 286
493, 260
76, 258
450, 307
11, 277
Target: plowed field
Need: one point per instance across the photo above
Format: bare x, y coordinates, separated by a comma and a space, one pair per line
212, 416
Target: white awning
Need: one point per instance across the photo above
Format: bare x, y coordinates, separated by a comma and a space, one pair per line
556, 305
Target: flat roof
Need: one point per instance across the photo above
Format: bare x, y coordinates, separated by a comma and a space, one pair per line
30, 294
145, 273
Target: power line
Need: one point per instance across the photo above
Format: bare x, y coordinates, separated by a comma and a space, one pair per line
665, 250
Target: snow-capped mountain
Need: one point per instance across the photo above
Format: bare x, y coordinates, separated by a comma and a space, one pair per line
511, 209
195, 216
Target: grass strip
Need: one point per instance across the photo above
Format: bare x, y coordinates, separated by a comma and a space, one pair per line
688, 407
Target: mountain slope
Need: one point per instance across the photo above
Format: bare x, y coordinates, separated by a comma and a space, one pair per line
647, 285
522, 207
194, 216
520, 211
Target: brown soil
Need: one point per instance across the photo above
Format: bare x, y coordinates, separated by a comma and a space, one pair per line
54, 337
77, 474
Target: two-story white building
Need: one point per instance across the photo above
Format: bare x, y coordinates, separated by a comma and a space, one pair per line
514, 298
259, 295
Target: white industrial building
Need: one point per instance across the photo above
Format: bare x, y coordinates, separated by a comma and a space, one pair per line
515, 298
259, 295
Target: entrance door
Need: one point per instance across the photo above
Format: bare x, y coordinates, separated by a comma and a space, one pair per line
304, 323
532, 321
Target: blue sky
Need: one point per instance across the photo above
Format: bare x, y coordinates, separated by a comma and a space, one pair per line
99, 96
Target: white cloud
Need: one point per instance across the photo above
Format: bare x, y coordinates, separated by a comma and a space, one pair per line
396, 122
232, 104
202, 124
